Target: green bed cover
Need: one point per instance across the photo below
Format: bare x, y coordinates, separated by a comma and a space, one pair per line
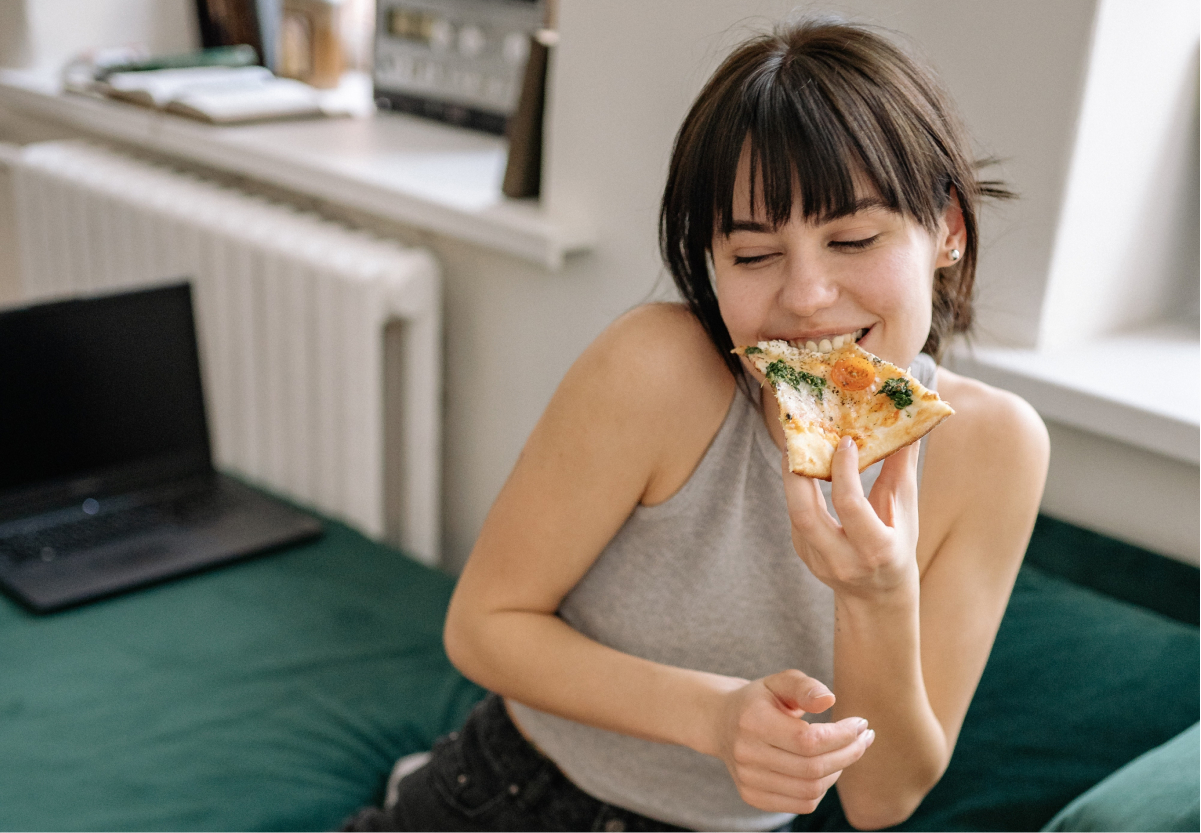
275, 694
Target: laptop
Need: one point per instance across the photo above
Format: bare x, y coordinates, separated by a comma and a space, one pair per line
106, 475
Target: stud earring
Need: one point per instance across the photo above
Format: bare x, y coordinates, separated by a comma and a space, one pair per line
953, 255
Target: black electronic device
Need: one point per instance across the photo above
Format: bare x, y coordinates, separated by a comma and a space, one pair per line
107, 482
459, 61
230, 23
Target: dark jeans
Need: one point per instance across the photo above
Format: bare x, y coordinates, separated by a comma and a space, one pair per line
488, 777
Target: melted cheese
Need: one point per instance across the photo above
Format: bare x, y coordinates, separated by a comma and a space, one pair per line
813, 423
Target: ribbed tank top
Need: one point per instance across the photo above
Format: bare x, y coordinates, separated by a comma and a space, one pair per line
706, 580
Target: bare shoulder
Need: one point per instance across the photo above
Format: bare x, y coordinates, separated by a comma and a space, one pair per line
988, 421
661, 339
656, 362
652, 389
985, 465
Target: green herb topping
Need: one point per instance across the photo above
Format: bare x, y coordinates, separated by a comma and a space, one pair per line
752, 350
898, 391
779, 372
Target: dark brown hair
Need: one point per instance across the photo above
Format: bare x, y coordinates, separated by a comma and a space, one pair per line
820, 103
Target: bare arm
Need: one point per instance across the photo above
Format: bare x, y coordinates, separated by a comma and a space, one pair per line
611, 438
916, 614
588, 463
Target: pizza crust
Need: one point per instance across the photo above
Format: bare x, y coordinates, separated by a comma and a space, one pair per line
848, 391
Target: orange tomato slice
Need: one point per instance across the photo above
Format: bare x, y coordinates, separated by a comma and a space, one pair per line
853, 373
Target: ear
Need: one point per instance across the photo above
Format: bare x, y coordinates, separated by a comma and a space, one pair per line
952, 234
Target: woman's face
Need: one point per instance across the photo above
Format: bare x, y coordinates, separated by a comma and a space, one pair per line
867, 275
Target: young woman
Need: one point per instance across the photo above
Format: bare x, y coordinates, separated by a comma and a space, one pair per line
680, 632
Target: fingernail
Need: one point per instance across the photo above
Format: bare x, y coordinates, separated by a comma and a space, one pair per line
818, 691
868, 737
861, 726
845, 442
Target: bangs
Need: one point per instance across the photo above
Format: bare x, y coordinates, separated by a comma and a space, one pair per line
832, 117
824, 129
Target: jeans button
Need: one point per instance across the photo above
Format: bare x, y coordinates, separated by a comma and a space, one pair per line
615, 826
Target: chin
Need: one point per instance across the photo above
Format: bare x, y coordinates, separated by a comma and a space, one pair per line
902, 355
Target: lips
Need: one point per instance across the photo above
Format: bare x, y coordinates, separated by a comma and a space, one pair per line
827, 343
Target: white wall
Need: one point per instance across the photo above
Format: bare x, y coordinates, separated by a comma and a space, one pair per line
10, 267
1133, 495
45, 34
624, 74
1126, 249
627, 71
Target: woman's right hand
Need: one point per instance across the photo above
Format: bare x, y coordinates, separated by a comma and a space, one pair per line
779, 762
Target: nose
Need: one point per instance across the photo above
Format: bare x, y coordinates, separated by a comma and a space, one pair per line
807, 288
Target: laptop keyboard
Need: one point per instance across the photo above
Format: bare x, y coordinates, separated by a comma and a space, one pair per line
56, 541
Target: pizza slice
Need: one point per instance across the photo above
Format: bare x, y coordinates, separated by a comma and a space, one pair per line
847, 391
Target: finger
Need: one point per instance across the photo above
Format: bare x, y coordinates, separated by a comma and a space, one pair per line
896, 485
776, 783
813, 739
797, 691
856, 514
778, 803
807, 509
807, 767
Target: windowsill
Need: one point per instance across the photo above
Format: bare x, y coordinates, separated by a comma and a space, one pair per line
1140, 388
433, 177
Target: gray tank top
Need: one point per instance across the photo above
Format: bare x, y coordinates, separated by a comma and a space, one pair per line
706, 580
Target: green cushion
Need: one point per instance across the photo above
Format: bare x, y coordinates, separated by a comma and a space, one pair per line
271, 695
275, 694
1156, 791
1078, 684
1118, 569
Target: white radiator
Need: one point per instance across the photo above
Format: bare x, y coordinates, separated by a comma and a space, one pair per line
295, 317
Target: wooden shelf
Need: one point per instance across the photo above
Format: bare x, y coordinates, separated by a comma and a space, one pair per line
418, 173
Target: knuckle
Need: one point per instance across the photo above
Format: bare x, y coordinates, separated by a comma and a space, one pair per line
807, 744
876, 559
804, 522
810, 791
829, 781
751, 796
795, 676
808, 770
850, 572
804, 808
746, 723
842, 500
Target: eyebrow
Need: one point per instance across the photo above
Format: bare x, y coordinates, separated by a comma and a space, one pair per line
862, 204
750, 225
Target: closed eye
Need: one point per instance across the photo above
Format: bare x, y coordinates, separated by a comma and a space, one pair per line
854, 245
740, 260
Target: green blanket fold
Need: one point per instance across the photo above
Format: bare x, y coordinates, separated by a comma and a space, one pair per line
276, 693
271, 695
1078, 684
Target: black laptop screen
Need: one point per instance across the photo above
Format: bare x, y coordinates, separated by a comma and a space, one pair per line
96, 394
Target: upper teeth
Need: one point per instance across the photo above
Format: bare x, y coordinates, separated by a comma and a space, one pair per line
825, 345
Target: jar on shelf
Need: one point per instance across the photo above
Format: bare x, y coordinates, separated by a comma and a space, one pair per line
310, 42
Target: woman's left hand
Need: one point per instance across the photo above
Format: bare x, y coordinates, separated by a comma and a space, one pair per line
873, 550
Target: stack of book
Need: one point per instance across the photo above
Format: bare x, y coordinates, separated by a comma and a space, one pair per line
223, 94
